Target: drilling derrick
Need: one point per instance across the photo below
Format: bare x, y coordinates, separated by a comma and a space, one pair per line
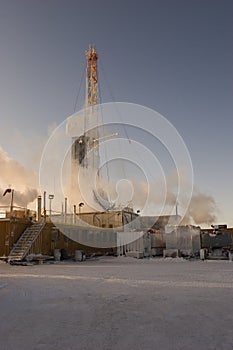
87, 143
84, 130
92, 97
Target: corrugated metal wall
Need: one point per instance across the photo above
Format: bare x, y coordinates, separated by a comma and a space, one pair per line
10, 231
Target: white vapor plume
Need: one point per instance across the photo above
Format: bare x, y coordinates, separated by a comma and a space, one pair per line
202, 209
20, 198
22, 180
152, 195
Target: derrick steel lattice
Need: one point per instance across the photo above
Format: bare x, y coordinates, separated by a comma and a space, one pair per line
92, 95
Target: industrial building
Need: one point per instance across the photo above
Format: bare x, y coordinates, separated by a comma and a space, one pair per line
26, 235
22, 238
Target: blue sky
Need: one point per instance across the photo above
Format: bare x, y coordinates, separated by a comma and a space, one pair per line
174, 56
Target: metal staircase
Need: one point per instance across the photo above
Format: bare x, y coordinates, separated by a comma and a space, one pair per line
25, 242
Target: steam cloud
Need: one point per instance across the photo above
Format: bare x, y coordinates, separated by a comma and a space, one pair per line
134, 193
202, 209
20, 198
22, 180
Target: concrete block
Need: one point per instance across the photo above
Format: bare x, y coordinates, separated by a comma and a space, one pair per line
156, 251
202, 254
134, 254
171, 253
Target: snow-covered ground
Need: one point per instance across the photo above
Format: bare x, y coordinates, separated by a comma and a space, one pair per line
117, 303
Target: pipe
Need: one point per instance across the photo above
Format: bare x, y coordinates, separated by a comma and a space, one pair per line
75, 213
44, 205
39, 208
65, 208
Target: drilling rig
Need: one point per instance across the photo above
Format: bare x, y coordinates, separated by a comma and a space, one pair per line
88, 142
84, 128
92, 94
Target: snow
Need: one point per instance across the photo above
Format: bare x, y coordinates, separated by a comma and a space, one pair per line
117, 303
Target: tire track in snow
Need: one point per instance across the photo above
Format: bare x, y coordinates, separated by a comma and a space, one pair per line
129, 282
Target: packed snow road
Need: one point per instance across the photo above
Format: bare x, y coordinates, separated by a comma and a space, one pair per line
117, 303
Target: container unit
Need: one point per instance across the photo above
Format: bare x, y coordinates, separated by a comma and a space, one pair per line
217, 245
185, 239
216, 241
158, 243
135, 244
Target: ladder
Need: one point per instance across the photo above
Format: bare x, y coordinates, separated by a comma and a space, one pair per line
25, 242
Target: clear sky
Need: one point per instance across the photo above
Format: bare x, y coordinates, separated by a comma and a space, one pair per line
174, 56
